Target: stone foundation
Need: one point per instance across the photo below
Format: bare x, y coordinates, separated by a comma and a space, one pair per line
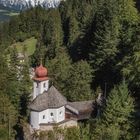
32, 134
64, 124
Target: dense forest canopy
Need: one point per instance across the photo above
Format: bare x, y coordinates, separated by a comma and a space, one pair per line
86, 45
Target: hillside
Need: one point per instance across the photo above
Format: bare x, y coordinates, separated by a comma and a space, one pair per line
6, 13
91, 52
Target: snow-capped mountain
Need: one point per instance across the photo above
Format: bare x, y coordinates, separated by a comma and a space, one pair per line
24, 4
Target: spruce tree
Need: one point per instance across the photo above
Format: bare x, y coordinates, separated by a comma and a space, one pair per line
104, 42
131, 62
59, 69
25, 89
3, 73
105, 39
72, 134
72, 80
85, 132
127, 12
73, 29
129, 19
79, 83
13, 78
8, 117
52, 33
130, 69
40, 53
116, 120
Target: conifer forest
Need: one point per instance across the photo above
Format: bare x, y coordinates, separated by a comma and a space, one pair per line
89, 47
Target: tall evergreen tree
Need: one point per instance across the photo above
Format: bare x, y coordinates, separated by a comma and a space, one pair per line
103, 48
59, 69
129, 19
79, 83
127, 12
8, 117
131, 62
25, 90
105, 38
72, 80
52, 33
40, 53
72, 133
13, 78
116, 120
73, 29
3, 72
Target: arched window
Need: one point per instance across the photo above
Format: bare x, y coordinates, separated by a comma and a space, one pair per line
43, 116
52, 114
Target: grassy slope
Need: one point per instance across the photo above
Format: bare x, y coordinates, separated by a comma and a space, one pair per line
6, 13
28, 44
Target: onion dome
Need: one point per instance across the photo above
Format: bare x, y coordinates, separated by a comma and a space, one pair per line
41, 72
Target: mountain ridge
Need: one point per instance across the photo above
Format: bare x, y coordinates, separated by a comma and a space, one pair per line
25, 4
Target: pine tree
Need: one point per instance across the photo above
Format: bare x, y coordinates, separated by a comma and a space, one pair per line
13, 78
130, 68
129, 19
85, 14
105, 39
85, 132
127, 11
72, 134
25, 90
8, 116
72, 80
78, 85
52, 33
3, 72
131, 62
104, 43
40, 53
73, 29
59, 69
64, 9
116, 120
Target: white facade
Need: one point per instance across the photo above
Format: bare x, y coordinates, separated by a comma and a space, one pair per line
34, 117
40, 87
52, 115
47, 116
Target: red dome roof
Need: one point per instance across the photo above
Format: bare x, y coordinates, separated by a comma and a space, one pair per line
41, 71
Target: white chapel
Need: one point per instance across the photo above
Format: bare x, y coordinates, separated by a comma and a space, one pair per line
49, 107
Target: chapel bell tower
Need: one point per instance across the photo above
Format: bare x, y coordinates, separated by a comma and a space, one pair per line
41, 81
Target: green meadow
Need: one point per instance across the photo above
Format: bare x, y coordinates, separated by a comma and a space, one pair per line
28, 45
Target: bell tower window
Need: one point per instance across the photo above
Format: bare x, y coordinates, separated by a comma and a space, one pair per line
37, 85
44, 85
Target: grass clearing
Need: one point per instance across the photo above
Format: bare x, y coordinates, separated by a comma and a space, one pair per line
29, 46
